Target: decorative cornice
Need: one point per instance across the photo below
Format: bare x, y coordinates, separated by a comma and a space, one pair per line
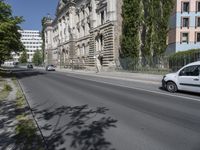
66, 5
102, 4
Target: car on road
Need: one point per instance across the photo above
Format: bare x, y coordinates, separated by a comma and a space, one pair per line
50, 68
185, 79
30, 66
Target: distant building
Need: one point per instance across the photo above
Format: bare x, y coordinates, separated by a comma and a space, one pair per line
82, 31
32, 41
184, 33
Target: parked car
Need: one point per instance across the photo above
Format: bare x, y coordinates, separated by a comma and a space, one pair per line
185, 79
50, 68
30, 66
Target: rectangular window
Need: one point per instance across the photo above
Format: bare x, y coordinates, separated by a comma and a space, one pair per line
185, 37
190, 71
83, 31
185, 6
185, 22
198, 22
198, 7
198, 37
102, 17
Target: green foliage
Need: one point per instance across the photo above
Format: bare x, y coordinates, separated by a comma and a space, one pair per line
184, 53
145, 28
7, 87
26, 134
23, 58
178, 60
26, 128
4, 92
20, 102
9, 35
130, 43
44, 19
3, 95
37, 58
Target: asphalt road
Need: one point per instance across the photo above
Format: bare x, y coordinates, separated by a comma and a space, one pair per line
78, 112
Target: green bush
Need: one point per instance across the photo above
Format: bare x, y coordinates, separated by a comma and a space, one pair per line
7, 87
26, 134
178, 60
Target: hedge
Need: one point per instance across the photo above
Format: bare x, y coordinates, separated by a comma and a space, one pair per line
179, 59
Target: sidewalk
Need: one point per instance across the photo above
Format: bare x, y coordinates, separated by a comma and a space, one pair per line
128, 76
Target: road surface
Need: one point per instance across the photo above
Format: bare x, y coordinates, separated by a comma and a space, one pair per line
77, 112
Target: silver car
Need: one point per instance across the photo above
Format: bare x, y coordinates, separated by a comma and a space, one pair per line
50, 68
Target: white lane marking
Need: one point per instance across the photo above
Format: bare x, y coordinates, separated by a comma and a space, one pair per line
141, 89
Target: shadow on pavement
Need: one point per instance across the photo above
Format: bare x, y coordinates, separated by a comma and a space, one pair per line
7, 117
84, 127
8, 113
182, 92
25, 73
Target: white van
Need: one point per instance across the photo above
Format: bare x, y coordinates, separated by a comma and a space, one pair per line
186, 79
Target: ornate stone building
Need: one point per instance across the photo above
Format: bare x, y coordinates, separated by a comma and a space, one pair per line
82, 31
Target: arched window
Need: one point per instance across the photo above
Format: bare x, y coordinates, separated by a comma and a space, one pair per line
99, 42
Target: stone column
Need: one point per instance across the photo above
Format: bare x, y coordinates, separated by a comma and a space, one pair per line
94, 14
59, 29
67, 28
111, 10
63, 29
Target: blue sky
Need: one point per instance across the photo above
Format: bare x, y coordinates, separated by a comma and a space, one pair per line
32, 11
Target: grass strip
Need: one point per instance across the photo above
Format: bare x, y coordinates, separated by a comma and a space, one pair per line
5, 91
26, 134
27, 137
20, 102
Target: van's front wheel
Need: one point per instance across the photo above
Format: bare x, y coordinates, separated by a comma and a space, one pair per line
171, 87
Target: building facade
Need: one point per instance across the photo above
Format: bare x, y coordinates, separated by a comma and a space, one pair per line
32, 41
184, 31
83, 32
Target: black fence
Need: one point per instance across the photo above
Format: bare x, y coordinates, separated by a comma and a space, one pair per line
156, 65
183, 58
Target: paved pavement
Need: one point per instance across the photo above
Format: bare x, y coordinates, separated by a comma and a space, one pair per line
129, 76
82, 111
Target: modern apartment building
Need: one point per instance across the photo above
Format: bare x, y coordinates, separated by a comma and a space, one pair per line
185, 26
82, 31
32, 41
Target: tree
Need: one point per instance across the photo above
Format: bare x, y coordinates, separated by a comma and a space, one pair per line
44, 19
9, 35
37, 58
130, 42
23, 58
145, 29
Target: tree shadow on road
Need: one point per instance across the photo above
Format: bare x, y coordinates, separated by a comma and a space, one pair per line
85, 127
26, 74
21, 74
